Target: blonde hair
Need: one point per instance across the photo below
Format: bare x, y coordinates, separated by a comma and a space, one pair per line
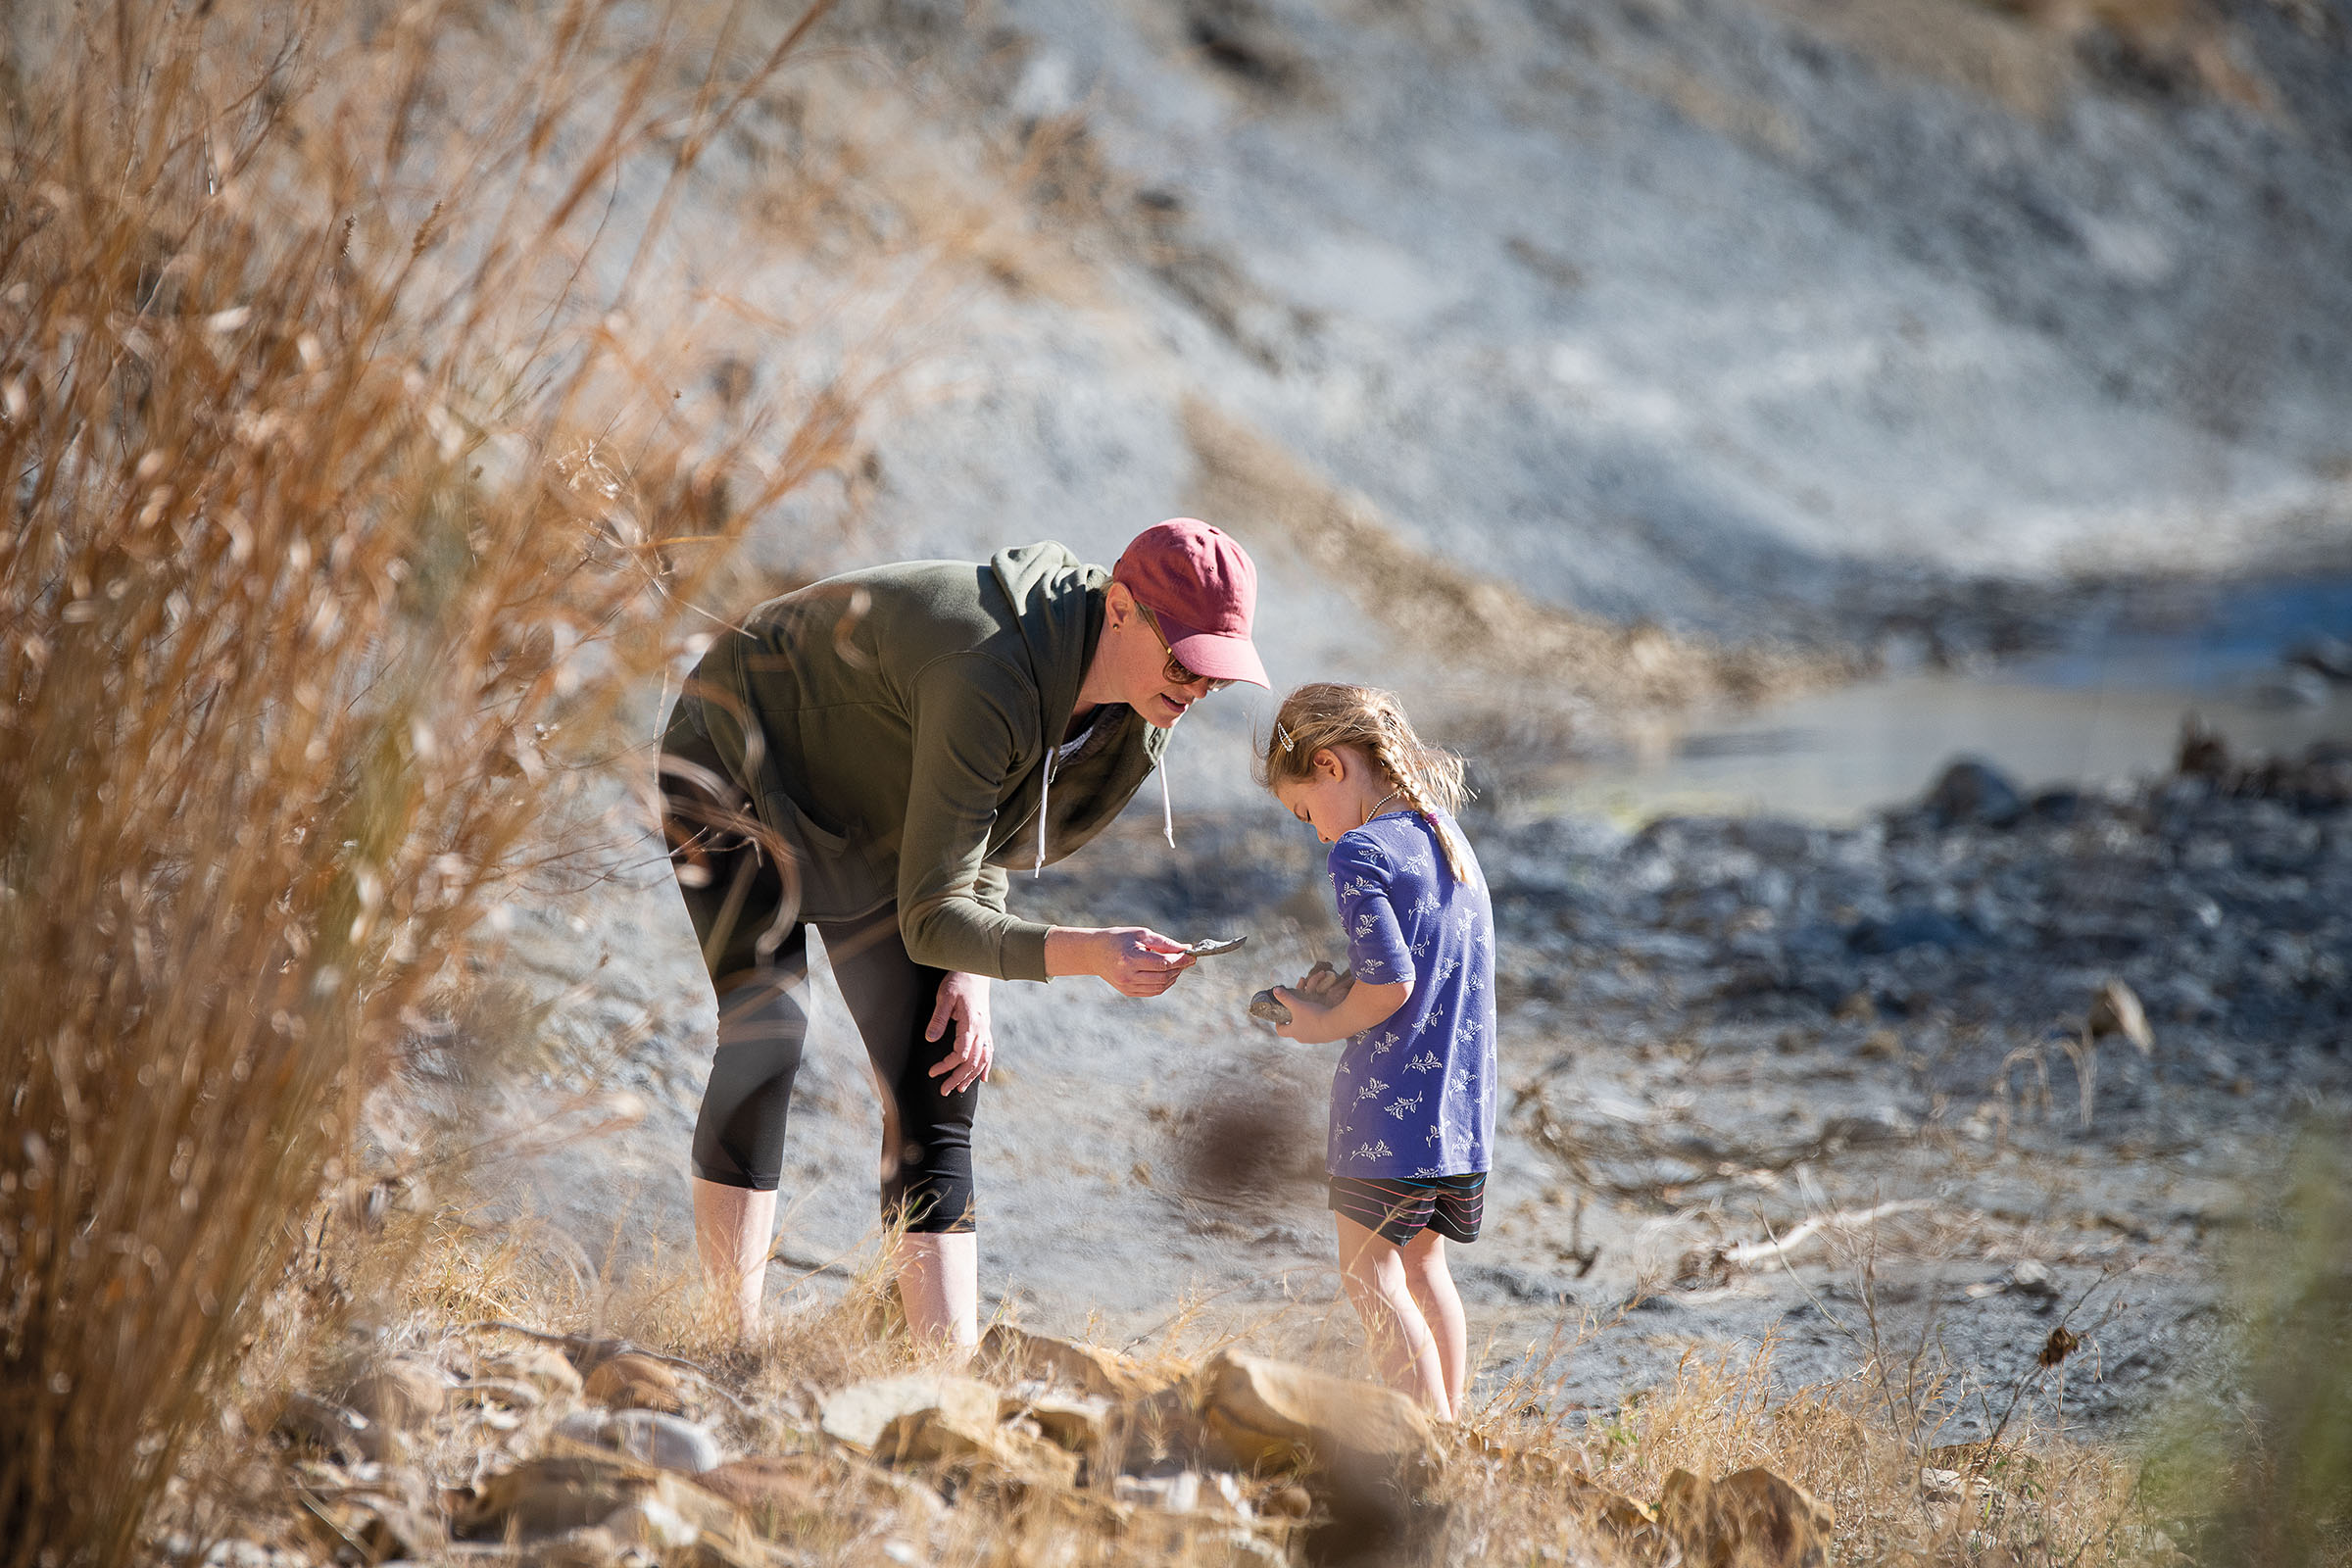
1319, 716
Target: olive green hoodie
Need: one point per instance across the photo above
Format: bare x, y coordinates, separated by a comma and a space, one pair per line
892, 727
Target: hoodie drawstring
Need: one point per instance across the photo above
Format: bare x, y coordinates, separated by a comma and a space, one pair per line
1168, 812
1045, 796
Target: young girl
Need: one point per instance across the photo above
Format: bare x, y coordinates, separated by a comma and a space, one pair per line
1412, 1103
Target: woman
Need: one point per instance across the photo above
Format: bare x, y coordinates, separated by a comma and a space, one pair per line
870, 755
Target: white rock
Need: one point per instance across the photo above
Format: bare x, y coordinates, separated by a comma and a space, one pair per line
857, 1414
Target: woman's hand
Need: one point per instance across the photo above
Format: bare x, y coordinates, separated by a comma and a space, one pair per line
963, 1006
1137, 961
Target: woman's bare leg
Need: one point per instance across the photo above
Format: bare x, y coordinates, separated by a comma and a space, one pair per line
734, 1227
939, 1285
1431, 1283
1402, 1349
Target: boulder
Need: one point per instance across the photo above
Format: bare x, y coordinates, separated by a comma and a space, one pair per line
664, 1441
1749, 1519
881, 1415
635, 1382
1261, 1413
1093, 1369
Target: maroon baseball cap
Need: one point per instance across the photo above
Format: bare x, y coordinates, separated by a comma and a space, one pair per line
1202, 589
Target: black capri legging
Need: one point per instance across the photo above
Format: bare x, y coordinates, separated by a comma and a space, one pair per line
758, 955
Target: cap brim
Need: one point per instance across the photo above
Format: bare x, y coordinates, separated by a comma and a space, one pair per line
1219, 657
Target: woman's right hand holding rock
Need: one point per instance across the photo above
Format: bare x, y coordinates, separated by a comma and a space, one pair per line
1136, 961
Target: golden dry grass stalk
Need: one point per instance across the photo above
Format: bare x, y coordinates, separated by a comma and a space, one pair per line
321, 563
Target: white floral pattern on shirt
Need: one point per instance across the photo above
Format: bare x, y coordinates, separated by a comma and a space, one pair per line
1410, 919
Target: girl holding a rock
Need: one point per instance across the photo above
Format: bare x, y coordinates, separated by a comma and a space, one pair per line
1412, 1100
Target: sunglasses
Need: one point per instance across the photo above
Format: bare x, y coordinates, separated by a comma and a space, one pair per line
1175, 670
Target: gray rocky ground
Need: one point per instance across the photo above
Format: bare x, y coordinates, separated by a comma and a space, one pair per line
1829, 1086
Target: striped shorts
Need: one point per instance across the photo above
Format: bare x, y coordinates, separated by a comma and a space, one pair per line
1399, 1210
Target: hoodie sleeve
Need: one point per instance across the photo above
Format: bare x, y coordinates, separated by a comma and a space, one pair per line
951, 904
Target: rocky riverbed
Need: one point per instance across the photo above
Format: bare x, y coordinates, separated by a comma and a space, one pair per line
1906, 1096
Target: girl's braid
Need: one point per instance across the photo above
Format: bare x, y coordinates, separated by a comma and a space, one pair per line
1397, 755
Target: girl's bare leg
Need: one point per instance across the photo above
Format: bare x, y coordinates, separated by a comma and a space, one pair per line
1402, 1349
1431, 1283
733, 1229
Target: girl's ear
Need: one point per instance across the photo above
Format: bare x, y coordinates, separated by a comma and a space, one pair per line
1328, 764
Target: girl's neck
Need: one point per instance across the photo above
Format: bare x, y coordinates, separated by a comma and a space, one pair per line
1376, 793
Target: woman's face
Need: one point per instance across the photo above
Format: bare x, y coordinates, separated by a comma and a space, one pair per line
1142, 668
1332, 798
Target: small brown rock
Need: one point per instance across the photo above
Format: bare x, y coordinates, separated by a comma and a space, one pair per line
633, 1382
1749, 1519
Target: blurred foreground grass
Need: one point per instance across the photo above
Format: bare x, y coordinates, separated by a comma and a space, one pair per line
346, 512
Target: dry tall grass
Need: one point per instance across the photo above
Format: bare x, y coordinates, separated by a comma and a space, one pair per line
343, 513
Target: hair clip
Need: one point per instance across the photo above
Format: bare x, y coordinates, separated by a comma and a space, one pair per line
1284, 733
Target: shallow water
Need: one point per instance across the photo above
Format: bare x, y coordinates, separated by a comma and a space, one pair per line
2107, 705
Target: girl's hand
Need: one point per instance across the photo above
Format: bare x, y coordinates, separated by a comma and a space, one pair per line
1328, 987
1357, 1009
1137, 961
963, 1005
1305, 1015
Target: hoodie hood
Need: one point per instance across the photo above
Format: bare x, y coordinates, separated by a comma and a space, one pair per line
1057, 601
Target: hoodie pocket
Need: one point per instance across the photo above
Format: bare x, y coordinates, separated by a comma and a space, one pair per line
785, 815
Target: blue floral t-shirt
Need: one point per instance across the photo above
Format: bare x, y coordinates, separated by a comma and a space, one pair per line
1414, 1094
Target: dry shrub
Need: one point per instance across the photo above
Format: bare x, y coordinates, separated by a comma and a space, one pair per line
2030, 1493
346, 513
